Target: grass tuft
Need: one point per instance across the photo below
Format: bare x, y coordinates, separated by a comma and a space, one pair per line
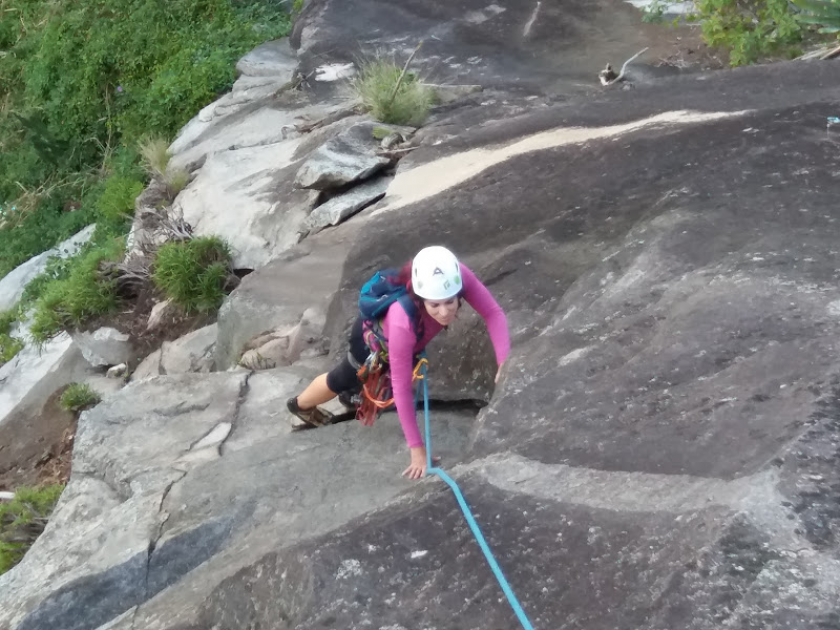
392, 96
78, 397
23, 519
193, 273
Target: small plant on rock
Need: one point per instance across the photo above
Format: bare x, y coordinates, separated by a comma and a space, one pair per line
176, 180
116, 204
193, 273
654, 13
9, 346
78, 397
23, 519
154, 152
824, 13
392, 94
84, 293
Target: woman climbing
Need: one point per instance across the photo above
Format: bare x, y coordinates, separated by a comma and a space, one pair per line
434, 284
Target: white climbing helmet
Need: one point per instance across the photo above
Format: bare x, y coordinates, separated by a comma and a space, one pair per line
436, 274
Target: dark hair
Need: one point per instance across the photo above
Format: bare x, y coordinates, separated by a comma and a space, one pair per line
404, 278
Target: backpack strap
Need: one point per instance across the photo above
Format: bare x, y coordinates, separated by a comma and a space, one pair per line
374, 334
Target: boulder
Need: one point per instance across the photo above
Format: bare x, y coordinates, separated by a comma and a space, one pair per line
261, 73
264, 107
276, 296
13, 283
191, 353
351, 156
35, 373
245, 197
284, 346
104, 385
105, 346
117, 371
345, 205
148, 367
274, 59
161, 313
163, 492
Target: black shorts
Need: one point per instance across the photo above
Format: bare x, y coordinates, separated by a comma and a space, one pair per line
342, 378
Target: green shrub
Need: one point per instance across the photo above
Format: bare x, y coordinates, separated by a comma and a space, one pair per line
389, 99
48, 223
749, 29
193, 273
84, 293
9, 346
23, 519
78, 397
81, 81
824, 13
654, 13
116, 204
7, 321
57, 268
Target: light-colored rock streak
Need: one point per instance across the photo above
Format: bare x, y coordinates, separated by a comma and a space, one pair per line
628, 491
435, 177
531, 21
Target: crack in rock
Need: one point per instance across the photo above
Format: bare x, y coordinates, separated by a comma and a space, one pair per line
154, 541
181, 408
244, 389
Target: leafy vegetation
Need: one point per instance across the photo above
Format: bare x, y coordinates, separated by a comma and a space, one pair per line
82, 293
115, 206
78, 397
22, 520
823, 13
82, 81
193, 273
392, 95
9, 346
654, 13
750, 30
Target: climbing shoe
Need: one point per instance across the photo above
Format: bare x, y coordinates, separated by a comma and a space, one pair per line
312, 417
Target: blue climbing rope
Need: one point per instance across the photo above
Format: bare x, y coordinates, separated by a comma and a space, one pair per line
431, 470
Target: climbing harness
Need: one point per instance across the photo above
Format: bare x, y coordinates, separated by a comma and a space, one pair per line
431, 470
377, 394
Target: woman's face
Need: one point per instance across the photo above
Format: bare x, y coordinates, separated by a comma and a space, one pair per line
442, 311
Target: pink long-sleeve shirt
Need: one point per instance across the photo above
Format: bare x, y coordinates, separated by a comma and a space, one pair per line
403, 345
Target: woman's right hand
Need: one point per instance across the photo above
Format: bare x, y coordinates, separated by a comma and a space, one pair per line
417, 468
